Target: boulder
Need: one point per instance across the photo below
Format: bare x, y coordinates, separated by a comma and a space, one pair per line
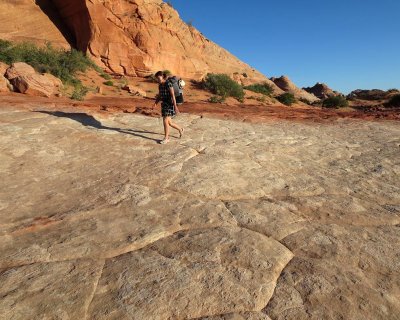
3, 68
322, 91
135, 90
287, 85
26, 80
4, 84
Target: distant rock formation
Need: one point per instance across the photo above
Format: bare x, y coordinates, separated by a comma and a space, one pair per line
287, 85
372, 95
322, 91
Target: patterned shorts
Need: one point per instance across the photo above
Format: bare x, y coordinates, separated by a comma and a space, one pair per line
167, 110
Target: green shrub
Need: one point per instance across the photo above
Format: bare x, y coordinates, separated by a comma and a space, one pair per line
304, 100
261, 99
222, 85
335, 102
263, 88
167, 72
216, 99
79, 93
286, 98
63, 64
394, 101
108, 83
105, 76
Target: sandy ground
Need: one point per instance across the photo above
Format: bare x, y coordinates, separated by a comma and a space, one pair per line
240, 112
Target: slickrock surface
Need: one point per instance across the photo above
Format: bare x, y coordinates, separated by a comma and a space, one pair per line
236, 221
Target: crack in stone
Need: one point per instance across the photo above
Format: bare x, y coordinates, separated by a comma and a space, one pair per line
96, 283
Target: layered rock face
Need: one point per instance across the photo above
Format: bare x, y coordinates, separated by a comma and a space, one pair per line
30, 20
142, 36
287, 85
321, 91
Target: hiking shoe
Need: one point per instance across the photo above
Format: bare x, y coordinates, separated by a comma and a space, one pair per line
164, 141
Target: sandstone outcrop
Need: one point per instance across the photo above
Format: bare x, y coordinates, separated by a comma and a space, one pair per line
140, 37
26, 80
135, 90
34, 21
287, 85
5, 85
137, 37
98, 221
322, 91
372, 95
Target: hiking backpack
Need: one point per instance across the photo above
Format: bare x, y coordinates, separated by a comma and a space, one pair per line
178, 84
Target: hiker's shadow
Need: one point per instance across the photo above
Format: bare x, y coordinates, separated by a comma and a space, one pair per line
90, 121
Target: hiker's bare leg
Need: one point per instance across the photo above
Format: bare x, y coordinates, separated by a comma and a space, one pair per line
173, 125
166, 127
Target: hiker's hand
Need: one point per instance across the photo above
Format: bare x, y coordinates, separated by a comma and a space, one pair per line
177, 110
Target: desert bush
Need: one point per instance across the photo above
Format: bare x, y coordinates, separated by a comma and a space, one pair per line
261, 99
108, 83
105, 76
60, 63
216, 99
167, 72
394, 101
335, 102
222, 85
263, 88
79, 93
286, 98
304, 100
46, 59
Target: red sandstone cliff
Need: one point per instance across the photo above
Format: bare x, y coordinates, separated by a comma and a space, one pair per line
139, 37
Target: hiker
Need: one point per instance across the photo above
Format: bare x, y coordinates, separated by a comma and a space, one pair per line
169, 106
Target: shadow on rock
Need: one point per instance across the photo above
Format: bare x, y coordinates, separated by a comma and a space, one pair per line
90, 121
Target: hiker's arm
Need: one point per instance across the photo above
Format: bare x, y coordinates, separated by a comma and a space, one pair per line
174, 99
157, 100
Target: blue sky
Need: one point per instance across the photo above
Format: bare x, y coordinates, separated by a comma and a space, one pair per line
347, 44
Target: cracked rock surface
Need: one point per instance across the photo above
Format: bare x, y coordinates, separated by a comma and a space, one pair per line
235, 221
